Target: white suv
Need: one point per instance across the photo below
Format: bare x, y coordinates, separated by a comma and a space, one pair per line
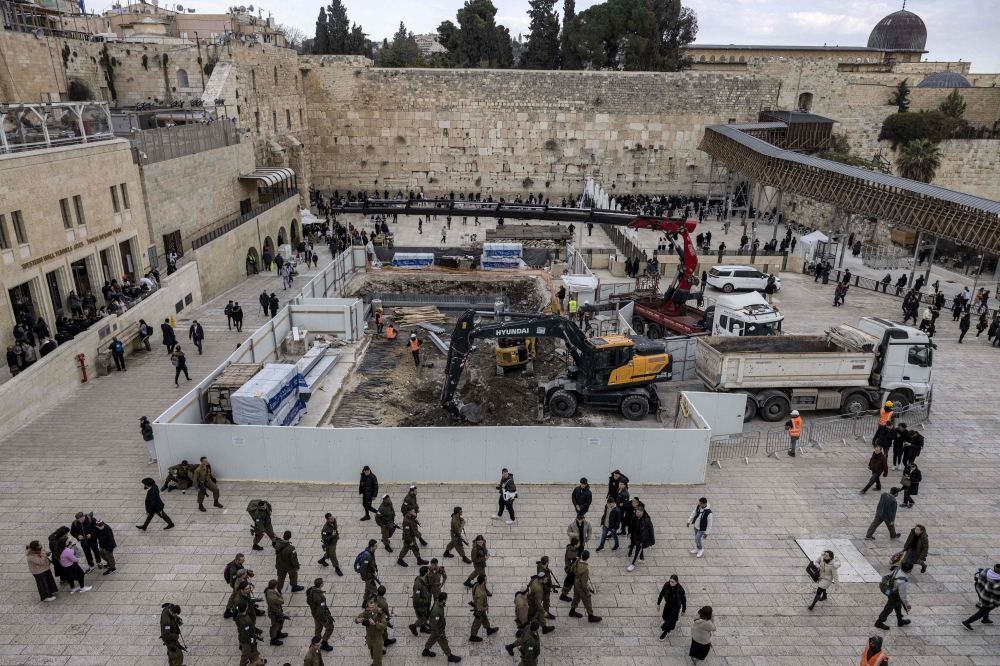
731, 277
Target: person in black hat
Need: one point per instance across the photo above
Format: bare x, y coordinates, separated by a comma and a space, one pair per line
154, 505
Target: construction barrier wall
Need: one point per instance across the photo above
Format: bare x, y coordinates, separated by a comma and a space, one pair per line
535, 454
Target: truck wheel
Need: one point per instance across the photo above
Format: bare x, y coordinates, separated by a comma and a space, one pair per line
638, 324
856, 403
562, 403
775, 408
899, 401
635, 407
654, 332
728, 288
750, 410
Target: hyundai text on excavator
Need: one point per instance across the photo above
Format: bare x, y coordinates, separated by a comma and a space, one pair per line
610, 372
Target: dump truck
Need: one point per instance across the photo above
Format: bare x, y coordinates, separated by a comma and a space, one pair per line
850, 368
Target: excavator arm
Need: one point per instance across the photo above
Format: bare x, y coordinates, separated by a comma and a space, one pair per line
520, 326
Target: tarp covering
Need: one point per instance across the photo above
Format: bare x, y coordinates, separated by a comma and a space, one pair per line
260, 400
532, 256
413, 259
579, 283
814, 237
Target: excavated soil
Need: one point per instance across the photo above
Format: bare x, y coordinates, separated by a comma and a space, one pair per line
527, 294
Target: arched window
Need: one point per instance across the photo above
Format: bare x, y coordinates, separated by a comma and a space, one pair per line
805, 101
742, 59
732, 58
182, 78
712, 59
702, 59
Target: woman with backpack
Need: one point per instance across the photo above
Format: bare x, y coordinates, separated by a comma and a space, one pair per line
827, 564
701, 635
674, 602
180, 364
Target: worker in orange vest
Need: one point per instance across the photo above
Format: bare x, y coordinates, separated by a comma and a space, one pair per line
794, 428
873, 654
378, 323
415, 348
390, 332
884, 434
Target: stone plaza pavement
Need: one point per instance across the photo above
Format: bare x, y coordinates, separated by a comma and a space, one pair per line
86, 454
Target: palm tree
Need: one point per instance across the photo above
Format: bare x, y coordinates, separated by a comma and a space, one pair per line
919, 160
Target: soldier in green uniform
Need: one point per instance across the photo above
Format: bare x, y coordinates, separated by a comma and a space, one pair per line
411, 532
569, 559
368, 569
480, 611
384, 607
241, 576
275, 611
204, 481
530, 646
261, 516
313, 656
170, 633
244, 597
421, 601
536, 600
581, 588
457, 527
247, 634
179, 475
437, 626
286, 562
410, 502
374, 621
385, 518
479, 557
322, 618
329, 535
436, 578
543, 565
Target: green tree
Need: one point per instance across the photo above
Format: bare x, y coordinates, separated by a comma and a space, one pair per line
953, 105
336, 36
900, 97
403, 52
677, 27
542, 48
477, 40
634, 35
919, 160
568, 57
321, 44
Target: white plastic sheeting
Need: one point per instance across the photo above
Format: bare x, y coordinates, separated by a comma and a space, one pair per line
579, 283
413, 259
269, 397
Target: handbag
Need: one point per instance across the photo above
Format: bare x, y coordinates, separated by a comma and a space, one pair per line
894, 560
905, 481
813, 571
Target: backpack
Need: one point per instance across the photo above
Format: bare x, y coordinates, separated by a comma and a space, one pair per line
118, 347
252, 506
358, 560
175, 361
652, 537
888, 582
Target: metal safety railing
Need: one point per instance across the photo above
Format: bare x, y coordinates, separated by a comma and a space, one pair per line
726, 448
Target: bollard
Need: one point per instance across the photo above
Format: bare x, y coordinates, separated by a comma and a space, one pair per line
83, 366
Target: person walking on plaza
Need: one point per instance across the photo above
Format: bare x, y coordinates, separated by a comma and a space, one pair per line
329, 535
701, 635
146, 429
246, 634
885, 512
414, 347
438, 626
643, 535
480, 611
261, 516
879, 466
884, 433
154, 505
582, 497
508, 493
581, 589
368, 489
897, 593
105, 537
170, 633
530, 644
228, 311
542, 565
322, 619
367, 568
180, 364
272, 303
916, 546
793, 427
964, 325
873, 654
988, 590
196, 334
421, 599
117, 353
286, 562
911, 483
580, 528
40, 568
385, 518
827, 563
701, 519
456, 528
610, 521
570, 556
898, 442
411, 533
614, 480
479, 558
204, 481
169, 339
237, 318
264, 302
375, 622
674, 601
379, 322
436, 577
275, 611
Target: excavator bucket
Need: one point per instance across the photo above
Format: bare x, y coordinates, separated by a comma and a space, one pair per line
473, 413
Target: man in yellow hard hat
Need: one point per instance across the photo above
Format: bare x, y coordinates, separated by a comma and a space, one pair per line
884, 433
378, 323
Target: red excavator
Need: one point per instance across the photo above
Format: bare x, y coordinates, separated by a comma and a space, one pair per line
654, 315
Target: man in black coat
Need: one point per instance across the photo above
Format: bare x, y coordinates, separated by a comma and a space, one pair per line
169, 340
613, 481
154, 505
582, 497
106, 542
368, 489
197, 334
82, 529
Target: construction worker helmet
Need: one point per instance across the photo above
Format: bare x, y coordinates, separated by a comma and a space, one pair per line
380, 309
795, 412
413, 336
888, 403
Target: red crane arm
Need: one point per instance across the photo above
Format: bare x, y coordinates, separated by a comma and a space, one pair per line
689, 258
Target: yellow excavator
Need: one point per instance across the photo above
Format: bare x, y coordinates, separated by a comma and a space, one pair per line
513, 353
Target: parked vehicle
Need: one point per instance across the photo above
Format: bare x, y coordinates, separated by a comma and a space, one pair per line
731, 277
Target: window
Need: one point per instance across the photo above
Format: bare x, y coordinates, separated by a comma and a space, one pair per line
66, 216
723, 322
805, 101
300, 118
742, 59
78, 207
919, 356
712, 59
182, 78
253, 80
125, 202
274, 119
288, 118
4, 243
114, 201
701, 59
18, 223
736, 326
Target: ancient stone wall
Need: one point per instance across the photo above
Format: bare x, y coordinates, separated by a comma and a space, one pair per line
967, 165
982, 104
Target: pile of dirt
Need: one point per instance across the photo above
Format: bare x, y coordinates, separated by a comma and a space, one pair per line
525, 293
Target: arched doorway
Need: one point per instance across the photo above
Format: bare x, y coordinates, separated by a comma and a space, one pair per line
252, 261
282, 237
294, 226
